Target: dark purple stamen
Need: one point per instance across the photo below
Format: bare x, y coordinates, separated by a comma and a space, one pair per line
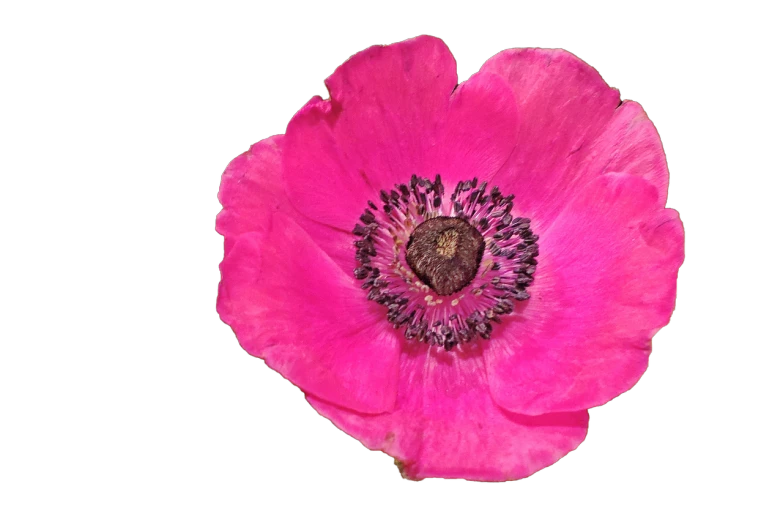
445, 268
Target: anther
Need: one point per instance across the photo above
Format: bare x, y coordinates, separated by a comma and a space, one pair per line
418, 250
359, 230
367, 217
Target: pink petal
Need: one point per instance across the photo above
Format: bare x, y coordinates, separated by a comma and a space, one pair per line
630, 144
318, 179
393, 100
571, 131
446, 424
292, 306
480, 131
251, 189
394, 112
605, 284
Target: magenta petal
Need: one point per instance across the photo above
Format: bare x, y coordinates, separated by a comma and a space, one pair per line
318, 180
630, 144
381, 125
392, 101
292, 306
480, 130
251, 189
573, 129
446, 425
605, 284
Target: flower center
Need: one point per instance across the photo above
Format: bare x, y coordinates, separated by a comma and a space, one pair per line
445, 270
445, 253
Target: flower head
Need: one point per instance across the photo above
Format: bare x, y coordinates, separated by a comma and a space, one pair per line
454, 275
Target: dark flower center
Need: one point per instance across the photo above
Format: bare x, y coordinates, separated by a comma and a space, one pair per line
445, 269
445, 253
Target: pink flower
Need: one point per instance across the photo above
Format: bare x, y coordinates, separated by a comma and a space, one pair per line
454, 275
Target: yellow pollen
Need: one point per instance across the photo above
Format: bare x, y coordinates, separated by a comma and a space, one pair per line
487, 265
447, 243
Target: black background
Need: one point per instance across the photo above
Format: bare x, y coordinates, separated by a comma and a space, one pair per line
263, 430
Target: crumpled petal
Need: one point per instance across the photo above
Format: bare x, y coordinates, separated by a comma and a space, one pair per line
394, 112
605, 284
446, 424
573, 129
292, 306
251, 189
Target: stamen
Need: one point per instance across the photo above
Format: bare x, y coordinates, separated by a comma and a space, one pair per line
445, 268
